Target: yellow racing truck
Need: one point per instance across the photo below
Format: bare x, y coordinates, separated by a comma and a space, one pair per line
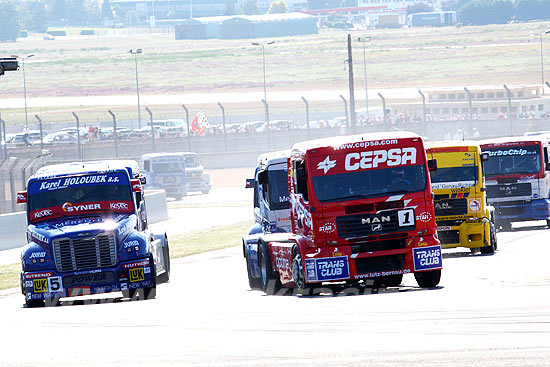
461, 212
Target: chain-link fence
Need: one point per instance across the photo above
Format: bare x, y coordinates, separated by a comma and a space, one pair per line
14, 173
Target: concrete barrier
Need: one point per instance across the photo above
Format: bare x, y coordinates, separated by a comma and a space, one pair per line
13, 226
13, 230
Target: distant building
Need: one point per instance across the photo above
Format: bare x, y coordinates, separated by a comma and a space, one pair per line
247, 26
177, 9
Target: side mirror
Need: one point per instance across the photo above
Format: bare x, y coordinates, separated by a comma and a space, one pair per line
249, 183
136, 185
143, 180
432, 164
484, 157
21, 197
547, 166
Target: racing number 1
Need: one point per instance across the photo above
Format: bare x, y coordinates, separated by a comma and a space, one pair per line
406, 217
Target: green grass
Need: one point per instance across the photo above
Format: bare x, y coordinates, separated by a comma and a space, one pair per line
182, 245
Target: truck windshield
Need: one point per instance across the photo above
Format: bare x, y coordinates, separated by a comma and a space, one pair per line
510, 160
78, 195
168, 167
278, 189
466, 175
370, 183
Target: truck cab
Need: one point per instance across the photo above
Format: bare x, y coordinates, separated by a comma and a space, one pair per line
271, 206
194, 173
517, 176
360, 208
87, 233
463, 217
166, 171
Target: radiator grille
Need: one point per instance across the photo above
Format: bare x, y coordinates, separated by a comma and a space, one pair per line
508, 190
84, 253
451, 207
448, 237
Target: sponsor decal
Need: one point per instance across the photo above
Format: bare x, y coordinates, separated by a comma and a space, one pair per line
372, 159
366, 144
135, 264
88, 272
426, 258
424, 217
326, 165
475, 205
303, 213
282, 263
147, 270
520, 152
122, 231
39, 237
43, 213
55, 284
40, 285
123, 286
459, 195
444, 228
37, 275
87, 279
118, 206
131, 244
382, 273
328, 227
79, 291
452, 185
37, 255
71, 208
337, 253
527, 178
28, 283
405, 217
329, 268
136, 275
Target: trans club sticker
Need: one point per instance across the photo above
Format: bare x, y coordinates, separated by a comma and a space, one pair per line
427, 258
326, 269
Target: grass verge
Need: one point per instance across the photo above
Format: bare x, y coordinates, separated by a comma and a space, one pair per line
186, 244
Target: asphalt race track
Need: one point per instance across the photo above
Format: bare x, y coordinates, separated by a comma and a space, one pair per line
488, 311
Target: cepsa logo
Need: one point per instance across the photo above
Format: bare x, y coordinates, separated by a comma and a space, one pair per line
43, 213
70, 208
372, 159
118, 206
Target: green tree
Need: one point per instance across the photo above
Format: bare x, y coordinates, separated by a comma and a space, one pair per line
481, 12
278, 7
33, 16
229, 8
419, 8
9, 26
529, 10
106, 10
249, 7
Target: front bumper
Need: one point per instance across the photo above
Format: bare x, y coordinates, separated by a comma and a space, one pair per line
469, 234
342, 263
538, 209
50, 284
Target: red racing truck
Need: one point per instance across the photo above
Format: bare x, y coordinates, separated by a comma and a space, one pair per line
361, 208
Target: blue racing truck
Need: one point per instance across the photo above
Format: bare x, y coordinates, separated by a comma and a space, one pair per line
166, 171
271, 207
87, 233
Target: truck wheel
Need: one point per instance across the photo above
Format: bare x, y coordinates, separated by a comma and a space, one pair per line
270, 283
548, 223
428, 279
254, 283
165, 277
33, 303
298, 273
493, 242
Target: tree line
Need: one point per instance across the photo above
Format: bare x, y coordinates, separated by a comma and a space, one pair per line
482, 12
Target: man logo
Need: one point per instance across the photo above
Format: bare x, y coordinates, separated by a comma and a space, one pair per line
376, 227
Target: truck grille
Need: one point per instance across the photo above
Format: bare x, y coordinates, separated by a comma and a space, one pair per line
447, 237
451, 207
509, 190
361, 225
84, 253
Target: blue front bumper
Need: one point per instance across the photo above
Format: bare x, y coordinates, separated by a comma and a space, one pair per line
512, 212
50, 284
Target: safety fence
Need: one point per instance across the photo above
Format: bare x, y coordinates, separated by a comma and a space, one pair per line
14, 173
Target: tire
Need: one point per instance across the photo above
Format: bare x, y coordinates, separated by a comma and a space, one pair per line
270, 284
165, 277
389, 280
489, 250
298, 273
35, 303
548, 223
428, 279
254, 283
